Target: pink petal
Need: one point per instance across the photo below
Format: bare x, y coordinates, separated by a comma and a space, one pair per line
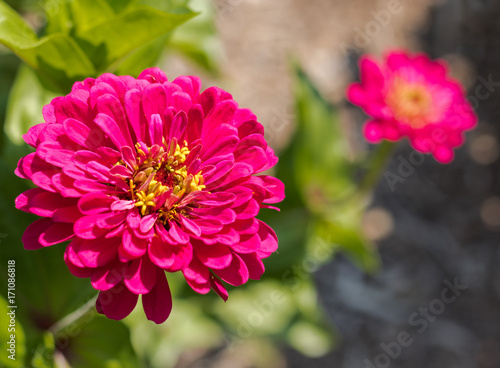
153, 75
86, 227
170, 257
22, 201
79, 133
140, 277
56, 233
135, 113
216, 256
154, 101
247, 210
217, 199
74, 264
110, 127
254, 265
269, 240
105, 278
236, 273
157, 303
356, 94
98, 252
247, 244
31, 137
218, 287
67, 214
222, 113
275, 189
94, 203
33, 232
190, 85
156, 129
131, 246
117, 302
112, 107
197, 272
195, 123
177, 234
190, 225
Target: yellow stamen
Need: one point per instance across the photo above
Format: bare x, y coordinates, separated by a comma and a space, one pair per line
410, 102
158, 174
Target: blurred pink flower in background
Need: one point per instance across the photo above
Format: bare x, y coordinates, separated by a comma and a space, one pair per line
145, 176
412, 96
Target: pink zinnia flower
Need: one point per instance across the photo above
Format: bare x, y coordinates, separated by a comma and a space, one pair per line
144, 176
412, 96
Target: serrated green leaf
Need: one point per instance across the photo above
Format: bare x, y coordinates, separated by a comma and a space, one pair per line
108, 42
26, 100
11, 333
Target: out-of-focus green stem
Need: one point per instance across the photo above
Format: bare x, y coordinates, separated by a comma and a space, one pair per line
376, 166
73, 317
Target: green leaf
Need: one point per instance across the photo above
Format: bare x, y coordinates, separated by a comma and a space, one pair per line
197, 38
119, 6
59, 19
56, 57
9, 65
108, 42
291, 227
15, 33
11, 332
362, 253
322, 171
43, 356
310, 339
26, 100
98, 342
144, 57
166, 5
90, 13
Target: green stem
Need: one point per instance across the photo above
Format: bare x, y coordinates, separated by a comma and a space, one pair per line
377, 164
73, 317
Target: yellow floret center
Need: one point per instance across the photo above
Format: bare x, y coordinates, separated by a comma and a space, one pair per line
161, 174
410, 102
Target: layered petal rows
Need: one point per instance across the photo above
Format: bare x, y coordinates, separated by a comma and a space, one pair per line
412, 96
144, 176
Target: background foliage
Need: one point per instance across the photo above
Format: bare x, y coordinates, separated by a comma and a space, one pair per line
50, 45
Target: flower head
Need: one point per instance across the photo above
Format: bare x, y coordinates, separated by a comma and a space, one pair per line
144, 176
412, 96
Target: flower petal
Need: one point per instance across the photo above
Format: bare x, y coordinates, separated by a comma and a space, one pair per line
117, 302
157, 303
140, 276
